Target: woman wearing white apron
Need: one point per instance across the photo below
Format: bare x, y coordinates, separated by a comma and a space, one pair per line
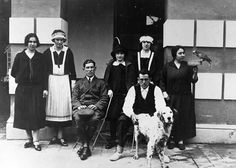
61, 70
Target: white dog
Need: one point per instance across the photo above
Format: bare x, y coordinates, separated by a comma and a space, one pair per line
156, 129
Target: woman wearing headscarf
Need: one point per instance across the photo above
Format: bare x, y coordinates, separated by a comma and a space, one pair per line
61, 70
29, 72
177, 78
119, 77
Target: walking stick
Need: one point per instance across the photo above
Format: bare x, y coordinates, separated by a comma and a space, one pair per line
103, 122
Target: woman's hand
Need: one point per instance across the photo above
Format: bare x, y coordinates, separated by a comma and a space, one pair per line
45, 93
110, 93
195, 70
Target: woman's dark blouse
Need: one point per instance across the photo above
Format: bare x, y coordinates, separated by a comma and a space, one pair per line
29, 71
117, 79
155, 68
144, 63
177, 81
69, 67
127, 76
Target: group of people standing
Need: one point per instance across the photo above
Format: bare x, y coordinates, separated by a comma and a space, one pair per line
44, 96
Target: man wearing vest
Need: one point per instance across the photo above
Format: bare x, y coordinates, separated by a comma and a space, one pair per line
141, 98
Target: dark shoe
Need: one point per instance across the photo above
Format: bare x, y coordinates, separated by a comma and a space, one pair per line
37, 147
62, 142
54, 140
85, 154
28, 144
110, 145
89, 152
80, 150
181, 146
171, 145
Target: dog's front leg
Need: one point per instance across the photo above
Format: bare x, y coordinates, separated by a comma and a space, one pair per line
136, 133
150, 150
163, 157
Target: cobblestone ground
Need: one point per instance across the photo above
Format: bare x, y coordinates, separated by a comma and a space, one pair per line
13, 155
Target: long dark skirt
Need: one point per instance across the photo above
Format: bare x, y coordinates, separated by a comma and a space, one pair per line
116, 105
29, 107
185, 121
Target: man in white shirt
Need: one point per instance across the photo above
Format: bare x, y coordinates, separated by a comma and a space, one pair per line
141, 98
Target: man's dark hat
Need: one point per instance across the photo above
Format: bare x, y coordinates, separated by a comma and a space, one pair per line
116, 49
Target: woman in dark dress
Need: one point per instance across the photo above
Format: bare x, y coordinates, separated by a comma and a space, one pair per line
148, 59
177, 78
119, 77
29, 73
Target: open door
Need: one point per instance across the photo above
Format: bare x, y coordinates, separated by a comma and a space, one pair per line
134, 18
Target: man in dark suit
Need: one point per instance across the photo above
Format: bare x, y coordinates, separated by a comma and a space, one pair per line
89, 93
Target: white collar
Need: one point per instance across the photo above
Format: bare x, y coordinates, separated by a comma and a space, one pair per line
29, 54
145, 54
116, 63
91, 78
177, 64
64, 48
146, 89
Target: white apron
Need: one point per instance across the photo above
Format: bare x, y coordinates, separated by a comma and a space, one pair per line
58, 106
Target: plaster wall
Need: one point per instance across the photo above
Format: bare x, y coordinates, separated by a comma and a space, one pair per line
90, 25
223, 59
201, 9
37, 8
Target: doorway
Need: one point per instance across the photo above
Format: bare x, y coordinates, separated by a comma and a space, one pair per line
134, 18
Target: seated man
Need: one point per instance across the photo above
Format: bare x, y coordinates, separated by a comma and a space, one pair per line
141, 98
89, 93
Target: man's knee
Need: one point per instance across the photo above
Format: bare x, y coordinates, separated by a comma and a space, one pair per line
79, 122
98, 115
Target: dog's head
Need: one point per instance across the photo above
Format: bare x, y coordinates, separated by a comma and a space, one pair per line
166, 115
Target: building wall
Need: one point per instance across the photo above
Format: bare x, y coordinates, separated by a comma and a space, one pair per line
90, 32
209, 111
90, 28
201, 9
36, 8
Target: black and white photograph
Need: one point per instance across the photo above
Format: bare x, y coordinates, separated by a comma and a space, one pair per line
117, 83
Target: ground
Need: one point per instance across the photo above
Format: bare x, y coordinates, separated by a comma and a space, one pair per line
13, 155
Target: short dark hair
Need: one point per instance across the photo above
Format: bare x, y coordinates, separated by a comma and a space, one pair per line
87, 61
114, 54
144, 72
28, 36
175, 49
